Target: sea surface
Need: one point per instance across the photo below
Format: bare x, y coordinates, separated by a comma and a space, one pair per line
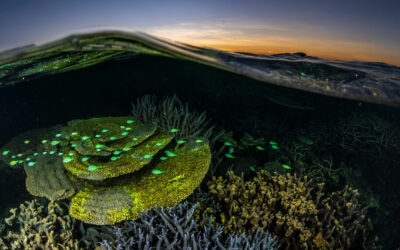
337, 122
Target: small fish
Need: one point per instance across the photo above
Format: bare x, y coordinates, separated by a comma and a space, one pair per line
135, 139
302, 74
12, 163
68, 159
174, 130
71, 154
55, 143
105, 130
117, 152
122, 126
130, 121
52, 152
61, 153
230, 156
199, 140
260, 148
114, 158
99, 146
126, 148
20, 161
28, 159
252, 168
156, 171
6, 152
93, 167
14, 156
272, 143
160, 143
85, 137
228, 143
58, 135
19, 155
74, 145
275, 147
231, 150
147, 156
44, 141
170, 154
286, 166
163, 158
44, 153
113, 138
99, 149
181, 141
97, 136
74, 133
27, 141
124, 133
128, 128
85, 159
31, 163
36, 154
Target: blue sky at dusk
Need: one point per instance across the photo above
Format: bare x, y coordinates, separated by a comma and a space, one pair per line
350, 30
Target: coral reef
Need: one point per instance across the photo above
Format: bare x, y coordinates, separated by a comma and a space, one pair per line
175, 228
294, 209
34, 226
171, 113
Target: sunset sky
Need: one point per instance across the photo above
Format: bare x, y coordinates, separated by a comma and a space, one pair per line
367, 30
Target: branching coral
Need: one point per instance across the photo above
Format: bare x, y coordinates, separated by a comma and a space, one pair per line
34, 226
171, 113
293, 208
175, 228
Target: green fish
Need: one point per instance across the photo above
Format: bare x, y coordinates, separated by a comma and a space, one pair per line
156, 171
74, 133
6, 152
52, 152
31, 163
28, 159
99, 149
272, 143
117, 152
114, 158
97, 136
113, 138
122, 126
230, 156
85, 137
20, 161
181, 141
126, 149
74, 145
61, 153
93, 167
12, 163
27, 141
85, 159
71, 154
286, 166
68, 159
44, 141
58, 135
124, 133
105, 130
99, 146
128, 128
147, 156
252, 168
14, 156
199, 140
55, 143
135, 139
174, 130
302, 74
130, 121
228, 143
160, 143
44, 153
19, 155
163, 158
275, 147
170, 154
36, 154
260, 148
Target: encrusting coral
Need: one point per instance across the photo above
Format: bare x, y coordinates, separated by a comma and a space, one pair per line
34, 226
175, 228
294, 209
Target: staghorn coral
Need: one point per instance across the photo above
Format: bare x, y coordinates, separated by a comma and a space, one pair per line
294, 209
175, 228
34, 226
171, 113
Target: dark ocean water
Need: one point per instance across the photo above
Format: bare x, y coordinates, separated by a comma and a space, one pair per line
336, 122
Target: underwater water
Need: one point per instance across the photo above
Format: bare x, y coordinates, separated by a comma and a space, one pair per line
243, 151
